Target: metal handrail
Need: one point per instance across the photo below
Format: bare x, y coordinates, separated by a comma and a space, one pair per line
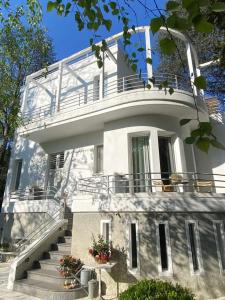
34, 193
92, 95
152, 182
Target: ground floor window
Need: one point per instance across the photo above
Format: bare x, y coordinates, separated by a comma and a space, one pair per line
220, 243
164, 248
133, 246
106, 230
194, 250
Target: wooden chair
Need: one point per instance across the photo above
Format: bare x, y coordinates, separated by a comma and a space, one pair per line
202, 183
165, 187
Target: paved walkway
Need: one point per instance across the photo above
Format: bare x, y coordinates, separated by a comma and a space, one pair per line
10, 295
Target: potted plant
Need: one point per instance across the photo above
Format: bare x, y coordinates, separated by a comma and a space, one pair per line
68, 266
101, 250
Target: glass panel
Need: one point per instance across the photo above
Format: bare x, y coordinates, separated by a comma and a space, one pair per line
99, 158
163, 247
96, 87
133, 246
105, 232
141, 163
193, 243
19, 163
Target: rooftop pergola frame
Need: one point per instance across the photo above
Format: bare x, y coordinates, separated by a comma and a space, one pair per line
192, 59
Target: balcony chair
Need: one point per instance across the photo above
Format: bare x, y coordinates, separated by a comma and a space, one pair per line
202, 183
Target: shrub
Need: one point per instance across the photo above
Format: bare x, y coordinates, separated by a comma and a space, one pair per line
156, 290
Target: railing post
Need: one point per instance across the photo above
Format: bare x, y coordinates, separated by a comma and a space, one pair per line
123, 84
59, 87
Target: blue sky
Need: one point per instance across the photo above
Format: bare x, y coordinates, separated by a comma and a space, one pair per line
68, 40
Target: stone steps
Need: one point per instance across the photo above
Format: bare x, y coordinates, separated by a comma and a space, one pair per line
47, 291
44, 281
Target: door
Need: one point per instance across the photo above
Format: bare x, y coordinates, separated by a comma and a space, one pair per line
141, 164
166, 158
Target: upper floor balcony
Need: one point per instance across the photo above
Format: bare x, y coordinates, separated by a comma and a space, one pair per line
74, 96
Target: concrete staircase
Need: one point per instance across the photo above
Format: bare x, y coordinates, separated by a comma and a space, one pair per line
43, 280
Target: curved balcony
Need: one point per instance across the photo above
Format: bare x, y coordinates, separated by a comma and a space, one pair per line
124, 97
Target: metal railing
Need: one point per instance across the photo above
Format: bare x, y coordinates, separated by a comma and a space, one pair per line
153, 182
88, 95
35, 193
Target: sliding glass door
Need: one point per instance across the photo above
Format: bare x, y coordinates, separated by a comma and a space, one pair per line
166, 157
141, 164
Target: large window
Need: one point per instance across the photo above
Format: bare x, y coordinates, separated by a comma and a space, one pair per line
133, 246
194, 250
99, 159
220, 243
141, 164
164, 248
56, 164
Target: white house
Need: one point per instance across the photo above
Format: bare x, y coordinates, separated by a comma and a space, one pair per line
112, 150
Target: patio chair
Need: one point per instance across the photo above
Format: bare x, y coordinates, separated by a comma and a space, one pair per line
202, 183
165, 187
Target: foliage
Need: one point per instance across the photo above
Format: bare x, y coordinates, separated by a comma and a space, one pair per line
156, 290
69, 265
101, 250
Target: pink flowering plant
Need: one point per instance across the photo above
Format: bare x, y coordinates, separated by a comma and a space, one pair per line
101, 250
69, 265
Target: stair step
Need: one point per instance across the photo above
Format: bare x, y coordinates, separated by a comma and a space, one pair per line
47, 291
49, 264
64, 247
58, 254
47, 276
65, 239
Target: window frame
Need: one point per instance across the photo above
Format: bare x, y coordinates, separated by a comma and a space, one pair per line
169, 271
17, 162
222, 232
129, 247
106, 221
96, 171
198, 248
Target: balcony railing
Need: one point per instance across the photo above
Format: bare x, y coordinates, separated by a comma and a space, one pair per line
90, 96
153, 182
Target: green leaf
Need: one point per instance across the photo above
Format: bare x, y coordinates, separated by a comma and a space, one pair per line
200, 82
217, 144
149, 60
167, 46
205, 127
184, 121
171, 90
202, 25
108, 24
196, 133
190, 140
172, 6
218, 7
156, 23
203, 144
51, 5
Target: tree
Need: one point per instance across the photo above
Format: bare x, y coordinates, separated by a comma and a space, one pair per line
24, 49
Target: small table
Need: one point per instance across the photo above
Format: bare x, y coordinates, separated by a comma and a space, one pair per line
100, 267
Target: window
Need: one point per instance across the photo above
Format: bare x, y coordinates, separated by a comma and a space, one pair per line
18, 169
56, 164
164, 248
166, 156
106, 230
194, 247
133, 257
220, 243
96, 88
99, 159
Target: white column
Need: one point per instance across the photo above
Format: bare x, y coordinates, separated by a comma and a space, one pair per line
190, 66
154, 158
59, 87
102, 78
148, 52
179, 155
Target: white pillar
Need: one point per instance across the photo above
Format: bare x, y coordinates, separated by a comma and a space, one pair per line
191, 67
59, 87
148, 52
154, 158
102, 78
